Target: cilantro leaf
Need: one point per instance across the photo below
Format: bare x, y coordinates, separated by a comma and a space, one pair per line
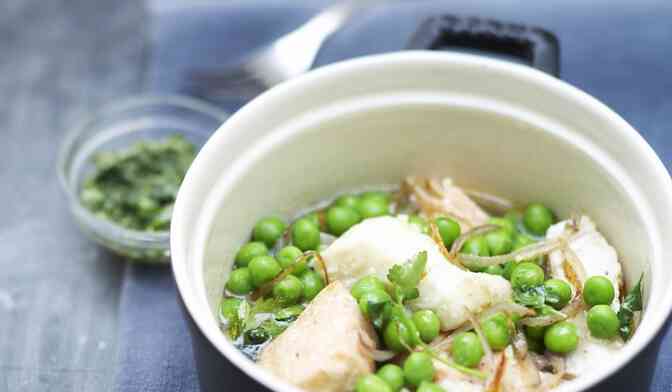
534, 297
631, 304
405, 277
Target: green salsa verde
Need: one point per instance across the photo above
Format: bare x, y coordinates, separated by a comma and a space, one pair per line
136, 187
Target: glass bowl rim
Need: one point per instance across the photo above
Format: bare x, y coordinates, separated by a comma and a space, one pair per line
145, 239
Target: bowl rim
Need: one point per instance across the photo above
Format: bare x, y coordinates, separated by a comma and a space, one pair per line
180, 263
148, 240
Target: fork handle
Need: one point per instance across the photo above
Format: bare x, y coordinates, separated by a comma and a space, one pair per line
330, 19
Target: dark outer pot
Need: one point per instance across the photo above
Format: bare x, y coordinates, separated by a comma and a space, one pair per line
215, 372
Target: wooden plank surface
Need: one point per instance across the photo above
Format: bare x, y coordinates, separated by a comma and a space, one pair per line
58, 292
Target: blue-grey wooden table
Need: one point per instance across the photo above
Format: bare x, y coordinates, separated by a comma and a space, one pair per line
59, 59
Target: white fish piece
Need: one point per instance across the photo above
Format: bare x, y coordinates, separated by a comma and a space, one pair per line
597, 258
595, 253
375, 245
454, 381
327, 348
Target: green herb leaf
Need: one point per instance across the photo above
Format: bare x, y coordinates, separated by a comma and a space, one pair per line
405, 277
266, 305
289, 314
376, 311
631, 304
238, 321
534, 297
273, 328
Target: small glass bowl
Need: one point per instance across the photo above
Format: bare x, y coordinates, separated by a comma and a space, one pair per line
115, 127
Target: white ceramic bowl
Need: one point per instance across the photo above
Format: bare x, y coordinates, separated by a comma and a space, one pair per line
489, 124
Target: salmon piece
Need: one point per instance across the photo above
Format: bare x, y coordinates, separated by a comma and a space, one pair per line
327, 348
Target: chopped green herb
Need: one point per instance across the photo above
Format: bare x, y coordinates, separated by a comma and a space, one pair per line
533, 297
238, 321
631, 304
136, 187
289, 314
405, 277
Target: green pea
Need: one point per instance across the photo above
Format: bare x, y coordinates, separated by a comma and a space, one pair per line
497, 332
428, 324
560, 291
376, 195
371, 298
312, 284
366, 284
602, 322
369, 207
349, 201
427, 386
448, 229
494, 270
522, 241
313, 218
598, 290
506, 224
249, 251
527, 274
288, 256
515, 318
466, 349
476, 246
514, 216
340, 219
240, 281
228, 308
538, 218
268, 230
393, 375
305, 235
499, 242
535, 332
508, 268
371, 383
420, 223
397, 336
562, 337
263, 269
289, 313
418, 367
289, 290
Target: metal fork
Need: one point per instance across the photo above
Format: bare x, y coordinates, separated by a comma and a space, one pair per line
286, 57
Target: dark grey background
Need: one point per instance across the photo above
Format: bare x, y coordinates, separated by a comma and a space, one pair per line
58, 292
